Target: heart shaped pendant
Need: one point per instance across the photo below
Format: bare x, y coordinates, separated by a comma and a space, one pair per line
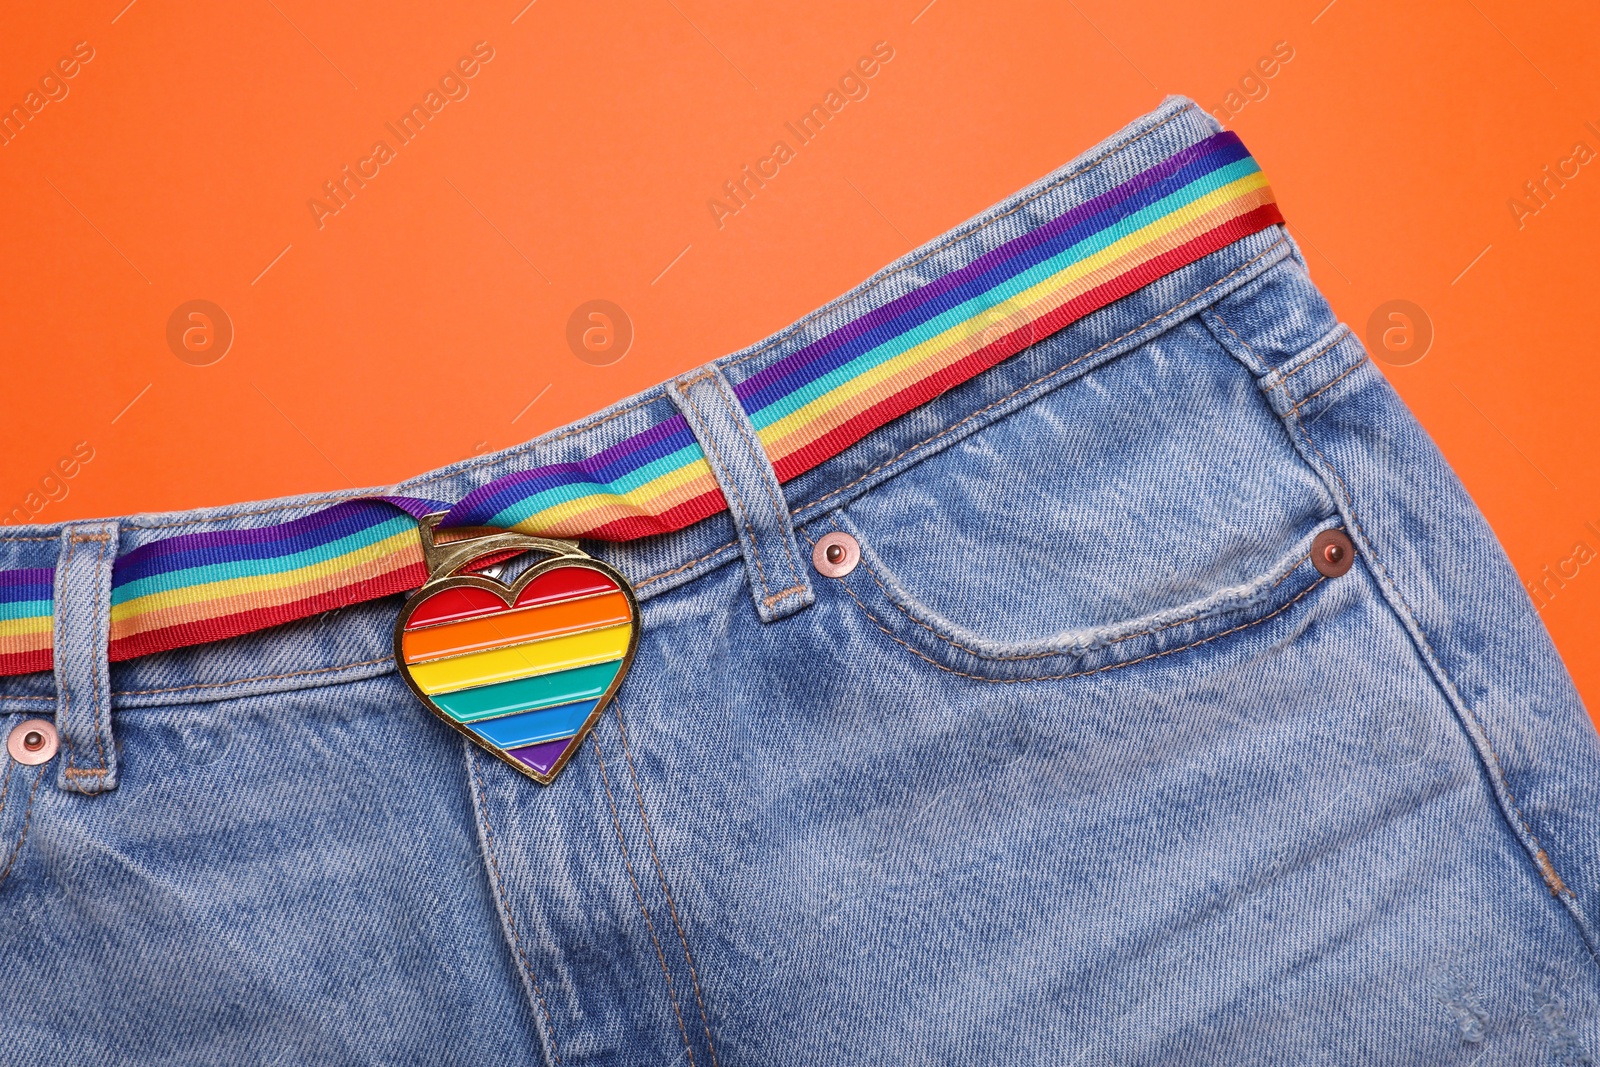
523, 669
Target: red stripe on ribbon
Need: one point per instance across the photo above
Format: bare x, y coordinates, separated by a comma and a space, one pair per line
676, 518
401, 580
40, 659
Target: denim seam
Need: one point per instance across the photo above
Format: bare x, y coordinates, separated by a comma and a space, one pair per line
5, 787
1094, 670
780, 510
1050, 653
1218, 316
5, 791
27, 820
1547, 870
1545, 866
1340, 333
505, 903
738, 498
1342, 376
243, 681
692, 563
661, 876
1191, 298
1327, 350
633, 878
952, 641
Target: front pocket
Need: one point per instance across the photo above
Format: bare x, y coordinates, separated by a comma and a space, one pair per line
920, 632
1151, 503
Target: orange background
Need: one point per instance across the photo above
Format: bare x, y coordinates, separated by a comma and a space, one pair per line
427, 319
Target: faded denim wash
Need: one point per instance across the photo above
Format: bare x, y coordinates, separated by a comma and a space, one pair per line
1084, 764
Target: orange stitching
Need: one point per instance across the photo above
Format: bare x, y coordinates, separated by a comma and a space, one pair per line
660, 955
80, 772
956, 238
1058, 651
1218, 316
27, 820
1348, 371
1327, 349
1046, 377
216, 685
6, 788
1559, 884
783, 594
738, 497
686, 566
79, 539
242, 681
760, 458
505, 903
1079, 674
672, 907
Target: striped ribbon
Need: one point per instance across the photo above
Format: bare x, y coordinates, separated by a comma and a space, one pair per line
806, 407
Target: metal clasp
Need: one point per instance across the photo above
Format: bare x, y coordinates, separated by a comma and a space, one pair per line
462, 546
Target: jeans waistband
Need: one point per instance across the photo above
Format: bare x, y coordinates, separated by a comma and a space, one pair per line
840, 401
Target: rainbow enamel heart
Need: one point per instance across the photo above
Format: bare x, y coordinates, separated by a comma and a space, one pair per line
525, 669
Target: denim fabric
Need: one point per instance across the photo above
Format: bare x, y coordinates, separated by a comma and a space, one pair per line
780, 581
1085, 763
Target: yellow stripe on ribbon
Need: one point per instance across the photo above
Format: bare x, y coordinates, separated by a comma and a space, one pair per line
262, 587
573, 517
159, 618
28, 627
522, 661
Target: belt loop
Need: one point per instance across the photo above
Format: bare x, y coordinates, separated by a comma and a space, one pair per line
81, 639
779, 579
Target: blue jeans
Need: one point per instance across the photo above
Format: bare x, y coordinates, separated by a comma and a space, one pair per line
1086, 762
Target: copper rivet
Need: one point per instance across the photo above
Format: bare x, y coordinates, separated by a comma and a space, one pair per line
1332, 553
836, 554
33, 741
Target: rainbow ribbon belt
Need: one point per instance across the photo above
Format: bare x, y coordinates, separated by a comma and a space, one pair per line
807, 408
